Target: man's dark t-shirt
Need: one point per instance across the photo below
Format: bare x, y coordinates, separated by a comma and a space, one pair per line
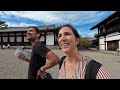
38, 59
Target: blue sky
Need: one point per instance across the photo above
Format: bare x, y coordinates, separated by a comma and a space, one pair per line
81, 20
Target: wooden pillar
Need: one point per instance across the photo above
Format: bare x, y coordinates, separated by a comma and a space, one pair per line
45, 38
23, 39
104, 31
98, 31
98, 40
54, 39
1, 41
105, 43
98, 43
8, 38
15, 39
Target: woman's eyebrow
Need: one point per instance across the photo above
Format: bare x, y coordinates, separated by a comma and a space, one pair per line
59, 34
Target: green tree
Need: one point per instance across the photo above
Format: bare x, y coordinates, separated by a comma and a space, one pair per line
1, 22
3, 25
85, 43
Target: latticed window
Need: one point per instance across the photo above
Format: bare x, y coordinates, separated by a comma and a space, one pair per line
19, 39
11, 34
12, 39
5, 39
25, 39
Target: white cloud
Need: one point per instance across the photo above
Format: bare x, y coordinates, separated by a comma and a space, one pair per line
87, 34
82, 34
91, 34
75, 18
19, 24
58, 17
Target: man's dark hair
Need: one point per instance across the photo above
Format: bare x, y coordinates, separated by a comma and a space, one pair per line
36, 29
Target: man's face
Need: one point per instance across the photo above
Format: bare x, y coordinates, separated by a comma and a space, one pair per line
32, 34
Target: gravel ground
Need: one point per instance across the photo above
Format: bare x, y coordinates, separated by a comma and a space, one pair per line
12, 68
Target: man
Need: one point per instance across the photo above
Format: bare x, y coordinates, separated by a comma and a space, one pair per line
40, 53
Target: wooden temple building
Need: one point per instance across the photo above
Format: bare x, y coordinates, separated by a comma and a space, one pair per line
17, 36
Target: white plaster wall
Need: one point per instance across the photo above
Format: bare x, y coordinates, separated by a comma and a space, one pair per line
42, 38
49, 39
102, 47
111, 34
102, 43
115, 37
109, 37
106, 45
119, 45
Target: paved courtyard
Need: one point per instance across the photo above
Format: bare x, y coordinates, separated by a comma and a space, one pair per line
12, 68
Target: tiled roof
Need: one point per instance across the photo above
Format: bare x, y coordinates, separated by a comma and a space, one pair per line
115, 14
13, 29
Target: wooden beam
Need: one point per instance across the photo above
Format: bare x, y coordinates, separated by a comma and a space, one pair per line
1, 40
15, 38
8, 38
22, 39
54, 38
45, 38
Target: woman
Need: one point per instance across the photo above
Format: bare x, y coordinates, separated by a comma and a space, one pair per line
74, 64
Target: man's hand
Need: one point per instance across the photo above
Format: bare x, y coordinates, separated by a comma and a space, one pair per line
41, 73
23, 58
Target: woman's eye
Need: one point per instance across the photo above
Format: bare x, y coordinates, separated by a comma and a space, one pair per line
67, 34
59, 36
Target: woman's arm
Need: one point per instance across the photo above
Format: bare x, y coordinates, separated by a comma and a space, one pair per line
102, 74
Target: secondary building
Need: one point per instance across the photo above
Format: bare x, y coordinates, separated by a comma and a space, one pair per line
109, 32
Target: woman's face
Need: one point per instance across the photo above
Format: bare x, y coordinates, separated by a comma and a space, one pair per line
67, 40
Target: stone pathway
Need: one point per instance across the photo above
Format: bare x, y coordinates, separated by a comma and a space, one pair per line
12, 68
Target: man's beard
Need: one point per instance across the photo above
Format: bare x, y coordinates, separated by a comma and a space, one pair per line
29, 39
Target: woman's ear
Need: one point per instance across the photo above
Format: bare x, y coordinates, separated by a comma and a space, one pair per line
38, 34
77, 41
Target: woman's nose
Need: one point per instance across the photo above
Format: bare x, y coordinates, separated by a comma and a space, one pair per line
27, 32
63, 37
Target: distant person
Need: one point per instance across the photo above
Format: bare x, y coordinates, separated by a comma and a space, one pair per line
3, 47
97, 48
8, 45
118, 50
40, 53
74, 65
